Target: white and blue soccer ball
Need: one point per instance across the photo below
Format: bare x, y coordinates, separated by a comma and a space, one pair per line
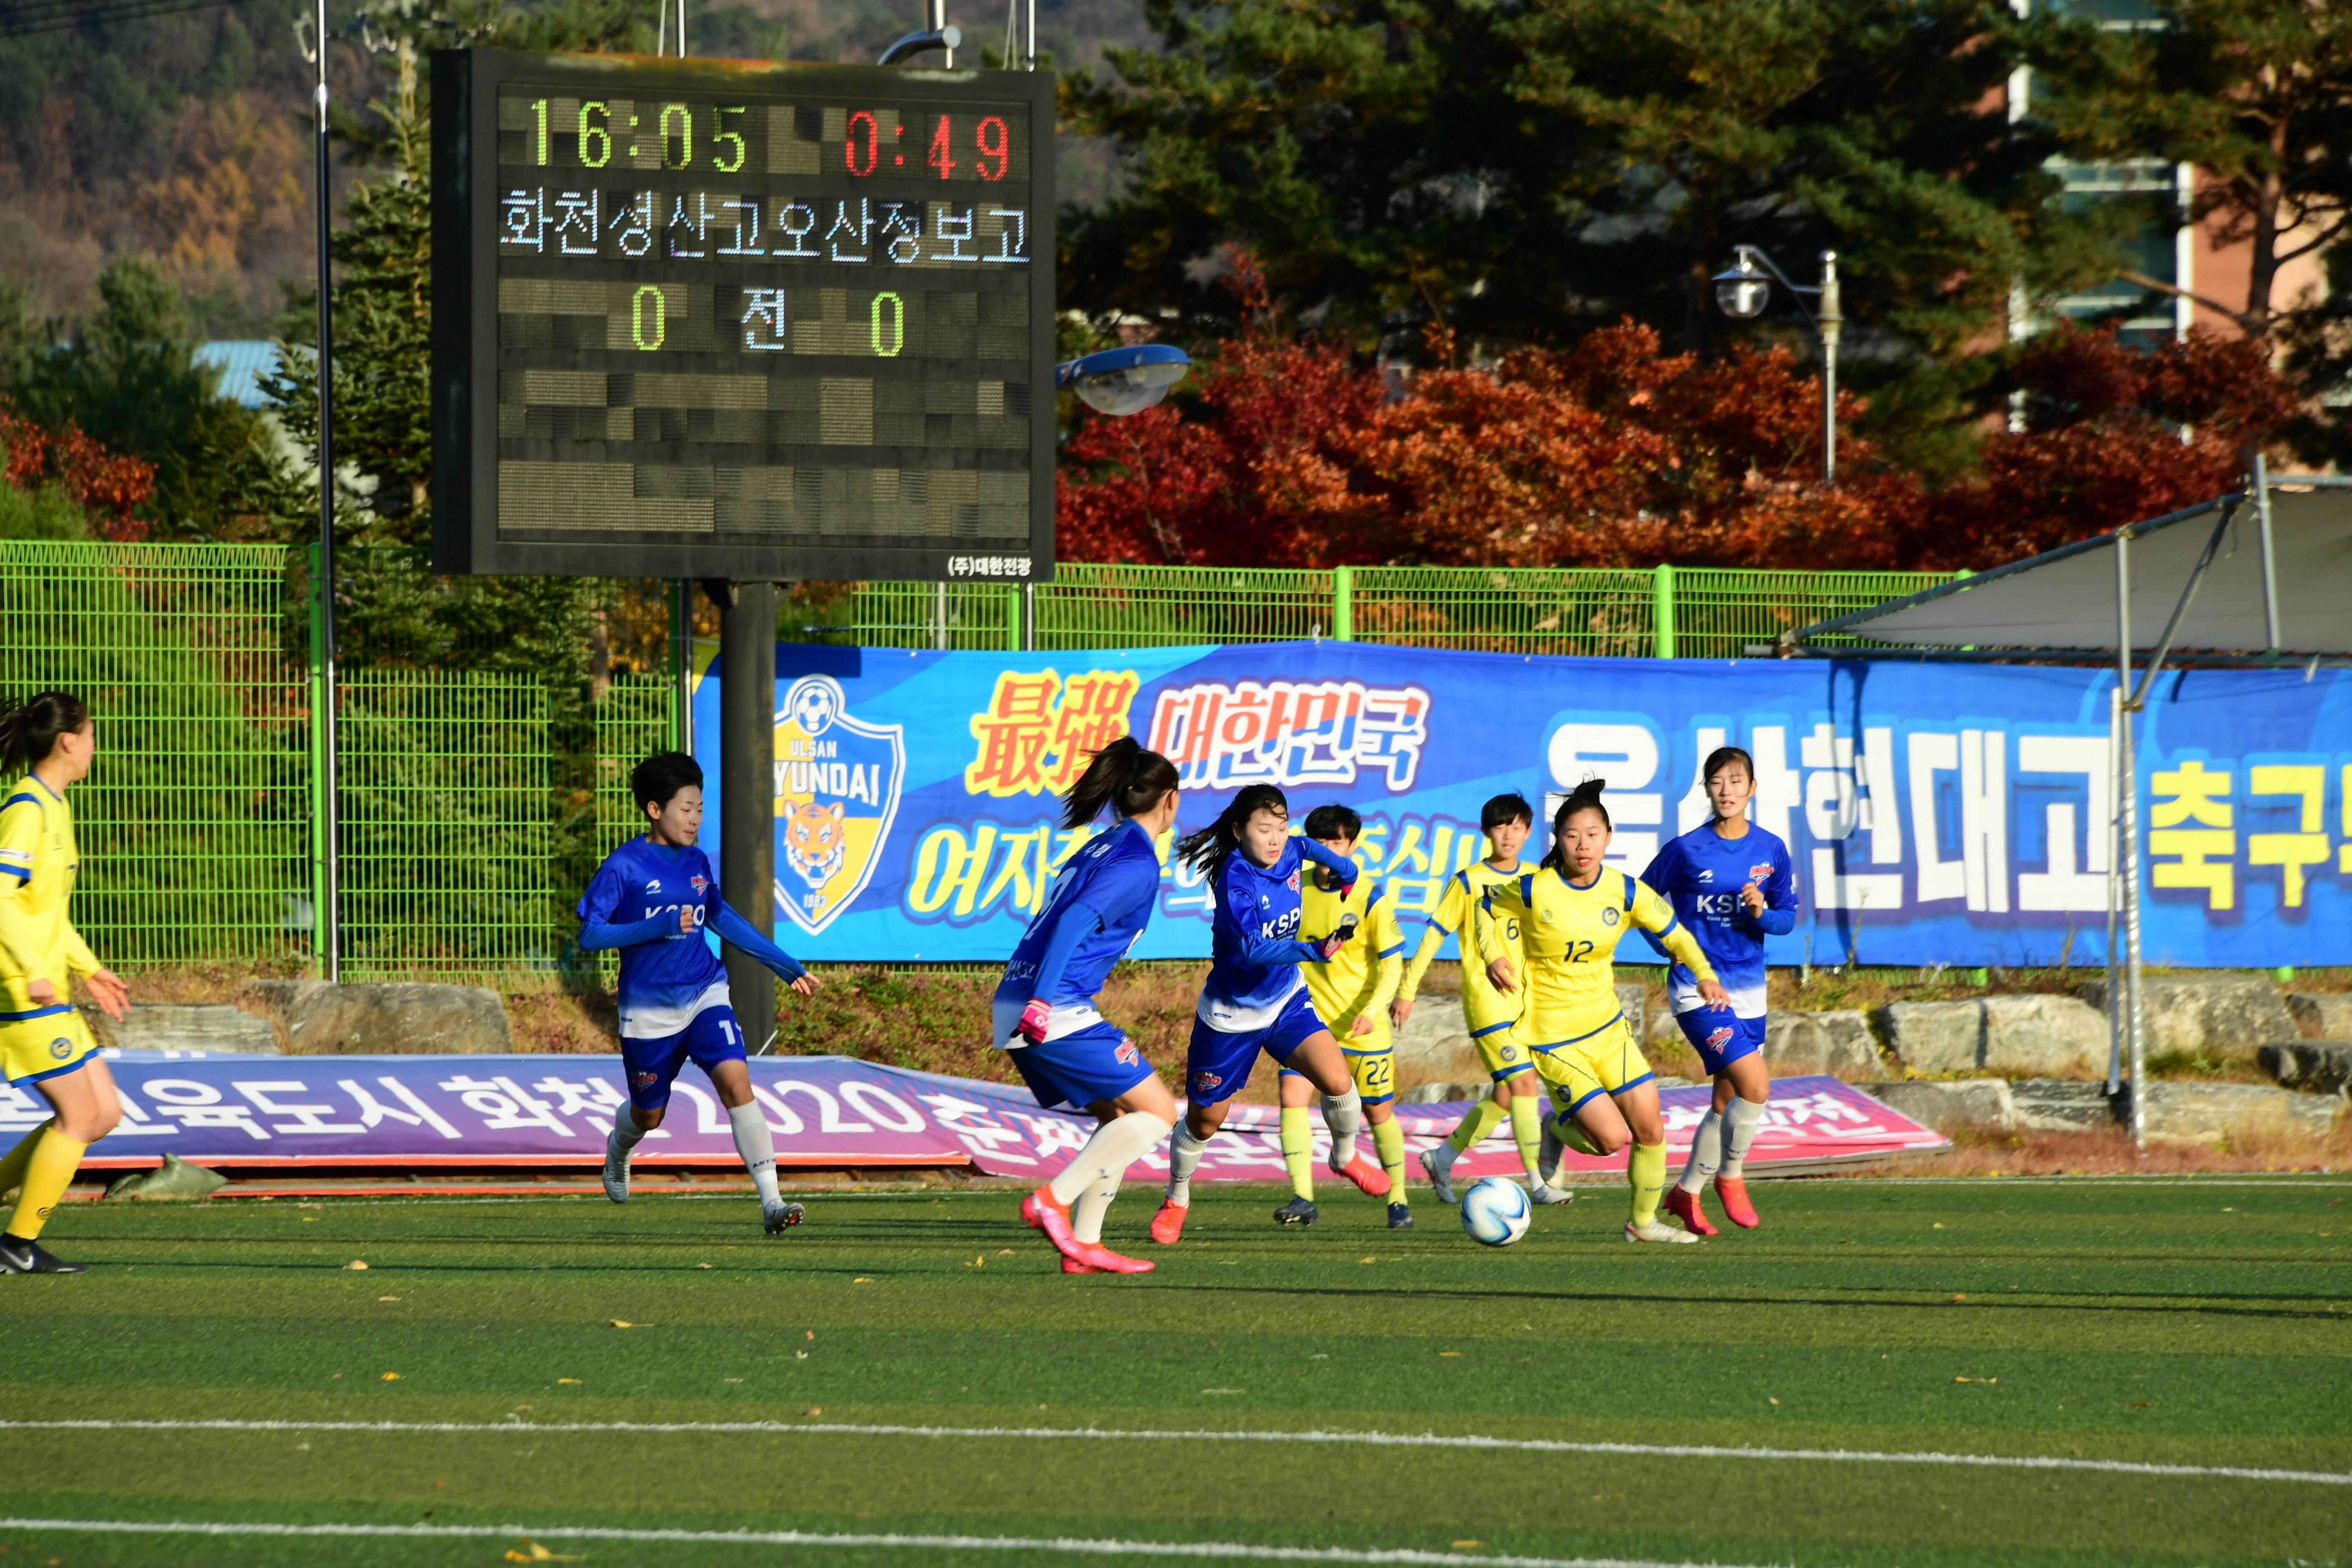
813, 702
1495, 1212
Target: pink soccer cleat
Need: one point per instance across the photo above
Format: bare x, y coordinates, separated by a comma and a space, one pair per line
1099, 1259
1732, 1193
1071, 1266
1367, 1175
1167, 1224
1685, 1207
1050, 1214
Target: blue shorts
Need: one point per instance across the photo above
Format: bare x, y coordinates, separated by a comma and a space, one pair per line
1218, 1064
1082, 1069
650, 1065
1088, 1058
1719, 1039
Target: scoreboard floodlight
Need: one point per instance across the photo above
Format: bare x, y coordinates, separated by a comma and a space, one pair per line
723, 319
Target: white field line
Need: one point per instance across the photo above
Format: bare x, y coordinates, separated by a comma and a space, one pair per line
1093, 1434
1226, 1549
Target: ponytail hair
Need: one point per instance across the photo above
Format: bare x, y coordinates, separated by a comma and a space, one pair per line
29, 731
1205, 851
1585, 796
1123, 776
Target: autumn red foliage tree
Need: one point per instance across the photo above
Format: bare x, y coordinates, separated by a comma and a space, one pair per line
1613, 452
106, 485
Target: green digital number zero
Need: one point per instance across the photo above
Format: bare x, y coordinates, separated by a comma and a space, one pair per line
685, 135
898, 325
638, 316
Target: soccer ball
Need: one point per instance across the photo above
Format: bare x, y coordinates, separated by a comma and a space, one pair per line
1495, 1212
813, 702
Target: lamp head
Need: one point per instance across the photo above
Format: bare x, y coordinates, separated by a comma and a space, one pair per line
1742, 291
1125, 380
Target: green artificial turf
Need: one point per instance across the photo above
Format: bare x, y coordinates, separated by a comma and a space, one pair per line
2203, 1322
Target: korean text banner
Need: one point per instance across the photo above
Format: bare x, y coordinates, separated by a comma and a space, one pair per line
1945, 813
408, 1112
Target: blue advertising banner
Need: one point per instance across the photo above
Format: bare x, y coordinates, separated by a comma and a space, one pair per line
1953, 814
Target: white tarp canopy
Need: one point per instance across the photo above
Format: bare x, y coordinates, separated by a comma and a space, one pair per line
2064, 600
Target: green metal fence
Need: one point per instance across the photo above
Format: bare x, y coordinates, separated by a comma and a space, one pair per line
473, 802
193, 824
1661, 612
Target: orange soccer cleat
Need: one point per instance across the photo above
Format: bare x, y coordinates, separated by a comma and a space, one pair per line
1732, 1193
1094, 1257
1367, 1175
1050, 1214
1167, 1224
1685, 1207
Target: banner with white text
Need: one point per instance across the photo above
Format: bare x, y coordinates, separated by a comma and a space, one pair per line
1952, 813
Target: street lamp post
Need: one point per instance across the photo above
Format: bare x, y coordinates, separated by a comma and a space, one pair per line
1746, 288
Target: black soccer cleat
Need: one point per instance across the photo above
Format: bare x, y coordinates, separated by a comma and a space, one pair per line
780, 1218
1400, 1218
1297, 1211
19, 1256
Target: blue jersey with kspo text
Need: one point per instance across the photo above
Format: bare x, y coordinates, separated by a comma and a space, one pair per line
1116, 876
1701, 874
1255, 943
663, 984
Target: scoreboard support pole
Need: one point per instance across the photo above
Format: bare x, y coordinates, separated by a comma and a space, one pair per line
746, 825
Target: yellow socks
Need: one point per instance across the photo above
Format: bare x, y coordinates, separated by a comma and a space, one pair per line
1526, 1129
1471, 1129
1647, 1173
46, 1175
13, 1164
1299, 1150
1388, 1140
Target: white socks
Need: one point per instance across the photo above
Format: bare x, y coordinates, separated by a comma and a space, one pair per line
1707, 1152
758, 1147
1117, 1144
1344, 1115
626, 1133
1087, 1214
1740, 1121
1184, 1153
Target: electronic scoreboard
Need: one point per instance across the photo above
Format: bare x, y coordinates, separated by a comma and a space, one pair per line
726, 320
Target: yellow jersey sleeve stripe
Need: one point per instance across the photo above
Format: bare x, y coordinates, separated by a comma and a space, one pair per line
1391, 951
31, 800
22, 873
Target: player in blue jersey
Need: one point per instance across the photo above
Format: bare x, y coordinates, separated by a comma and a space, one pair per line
655, 899
1255, 998
1729, 881
1072, 1058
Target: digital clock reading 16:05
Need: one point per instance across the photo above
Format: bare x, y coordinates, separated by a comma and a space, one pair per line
720, 319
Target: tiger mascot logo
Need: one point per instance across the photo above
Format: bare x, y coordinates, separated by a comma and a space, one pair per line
837, 783
813, 845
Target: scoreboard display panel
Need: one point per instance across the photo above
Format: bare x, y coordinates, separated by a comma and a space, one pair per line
725, 319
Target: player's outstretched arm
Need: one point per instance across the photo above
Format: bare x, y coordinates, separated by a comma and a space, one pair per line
1387, 936
1652, 913
1778, 895
737, 932
595, 936
1486, 936
1343, 866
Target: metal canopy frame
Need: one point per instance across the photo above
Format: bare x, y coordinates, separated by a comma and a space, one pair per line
2127, 1013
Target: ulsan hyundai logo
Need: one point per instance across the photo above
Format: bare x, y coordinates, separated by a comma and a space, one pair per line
837, 783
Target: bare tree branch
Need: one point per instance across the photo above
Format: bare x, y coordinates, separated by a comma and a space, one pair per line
2254, 326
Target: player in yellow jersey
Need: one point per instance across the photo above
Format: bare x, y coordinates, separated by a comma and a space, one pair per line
1351, 993
43, 1041
1571, 914
1491, 1014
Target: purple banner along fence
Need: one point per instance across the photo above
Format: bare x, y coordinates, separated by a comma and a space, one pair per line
417, 1112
